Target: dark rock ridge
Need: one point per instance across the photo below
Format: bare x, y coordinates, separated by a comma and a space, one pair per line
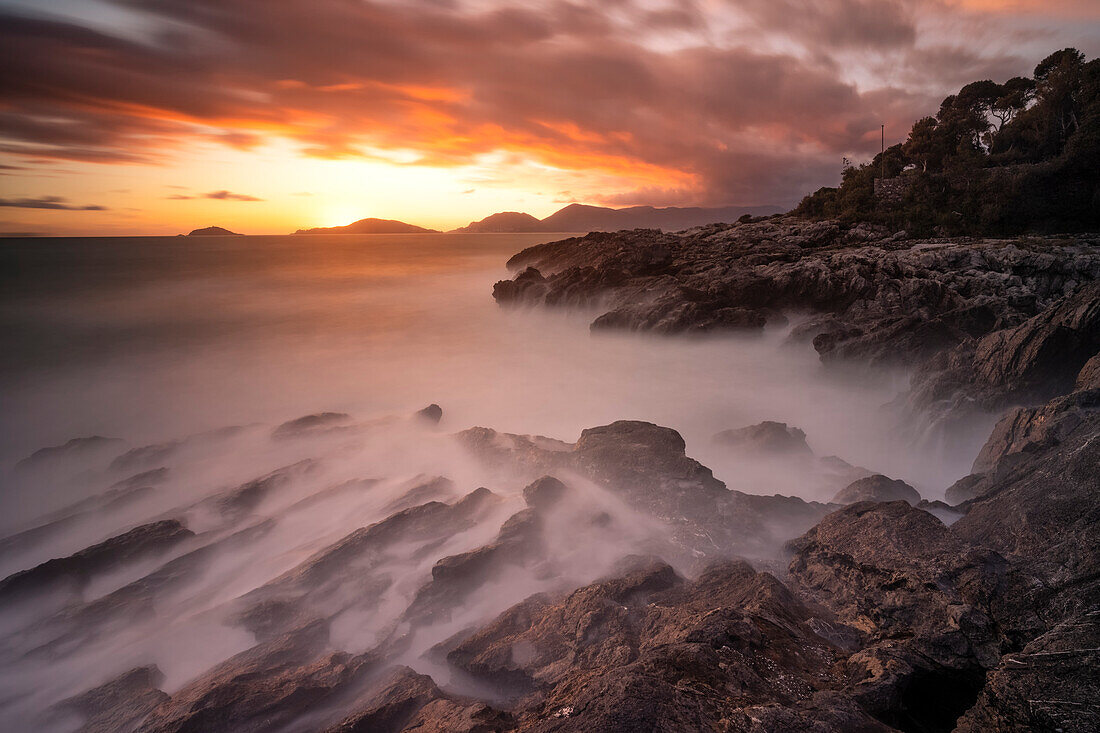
311, 424
647, 650
76, 447
876, 296
1032, 362
119, 704
646, 466
74, 571
264, 687
432, 414
370, 226
877, 488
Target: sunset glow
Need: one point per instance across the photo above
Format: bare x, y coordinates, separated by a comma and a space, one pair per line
123, 117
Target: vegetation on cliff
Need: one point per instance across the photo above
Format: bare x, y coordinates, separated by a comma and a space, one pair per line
1005, 158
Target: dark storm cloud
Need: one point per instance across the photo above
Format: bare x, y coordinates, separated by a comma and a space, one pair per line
48, 202
569, 83
839, 23
229, 196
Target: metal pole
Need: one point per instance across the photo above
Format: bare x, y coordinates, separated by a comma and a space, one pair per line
883, 154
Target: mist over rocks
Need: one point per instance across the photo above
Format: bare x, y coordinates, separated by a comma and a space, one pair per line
120, 704
939, 619
520, 582
73, 572
767, 437
75, 449
311, 423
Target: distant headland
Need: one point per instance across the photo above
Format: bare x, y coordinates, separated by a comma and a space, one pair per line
371, 226
584, 218
212, 232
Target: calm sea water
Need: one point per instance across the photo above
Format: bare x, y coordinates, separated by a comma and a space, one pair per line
148, 339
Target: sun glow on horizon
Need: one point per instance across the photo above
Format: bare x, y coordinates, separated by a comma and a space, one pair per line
339, 216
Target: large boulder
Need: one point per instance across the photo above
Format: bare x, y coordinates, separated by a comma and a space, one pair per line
877, 488
922, 601
774, 438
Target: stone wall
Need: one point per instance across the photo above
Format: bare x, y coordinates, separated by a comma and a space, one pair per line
891, 190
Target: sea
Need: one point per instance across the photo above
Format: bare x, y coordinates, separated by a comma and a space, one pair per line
148, 339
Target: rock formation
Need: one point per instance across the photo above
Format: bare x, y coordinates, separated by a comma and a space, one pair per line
877, 488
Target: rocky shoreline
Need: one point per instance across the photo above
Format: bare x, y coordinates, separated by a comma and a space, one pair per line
613, 583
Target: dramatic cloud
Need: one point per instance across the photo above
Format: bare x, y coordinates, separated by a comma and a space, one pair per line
229, 196
746, 102
48, 202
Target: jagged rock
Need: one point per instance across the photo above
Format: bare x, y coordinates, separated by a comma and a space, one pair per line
1043, 511
263, 688
1042, 356
431, 414
393, 704
117, 705
1032, 362
544, 493
646, 650
407, 701
891, 300
1051, 684
341, 575
531, 455
1028, 428
924, 601
75, 449
54, 524
455, 577
74, 572
310, 424
765, 437
236, 504
877, 488
967, 488
647, 466
529, 285
424, 490
1089, 376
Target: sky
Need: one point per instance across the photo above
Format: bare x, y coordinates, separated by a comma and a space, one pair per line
126, 117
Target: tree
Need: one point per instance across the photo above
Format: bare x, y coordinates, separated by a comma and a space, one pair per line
1057, 84
926, 145
1016, 94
